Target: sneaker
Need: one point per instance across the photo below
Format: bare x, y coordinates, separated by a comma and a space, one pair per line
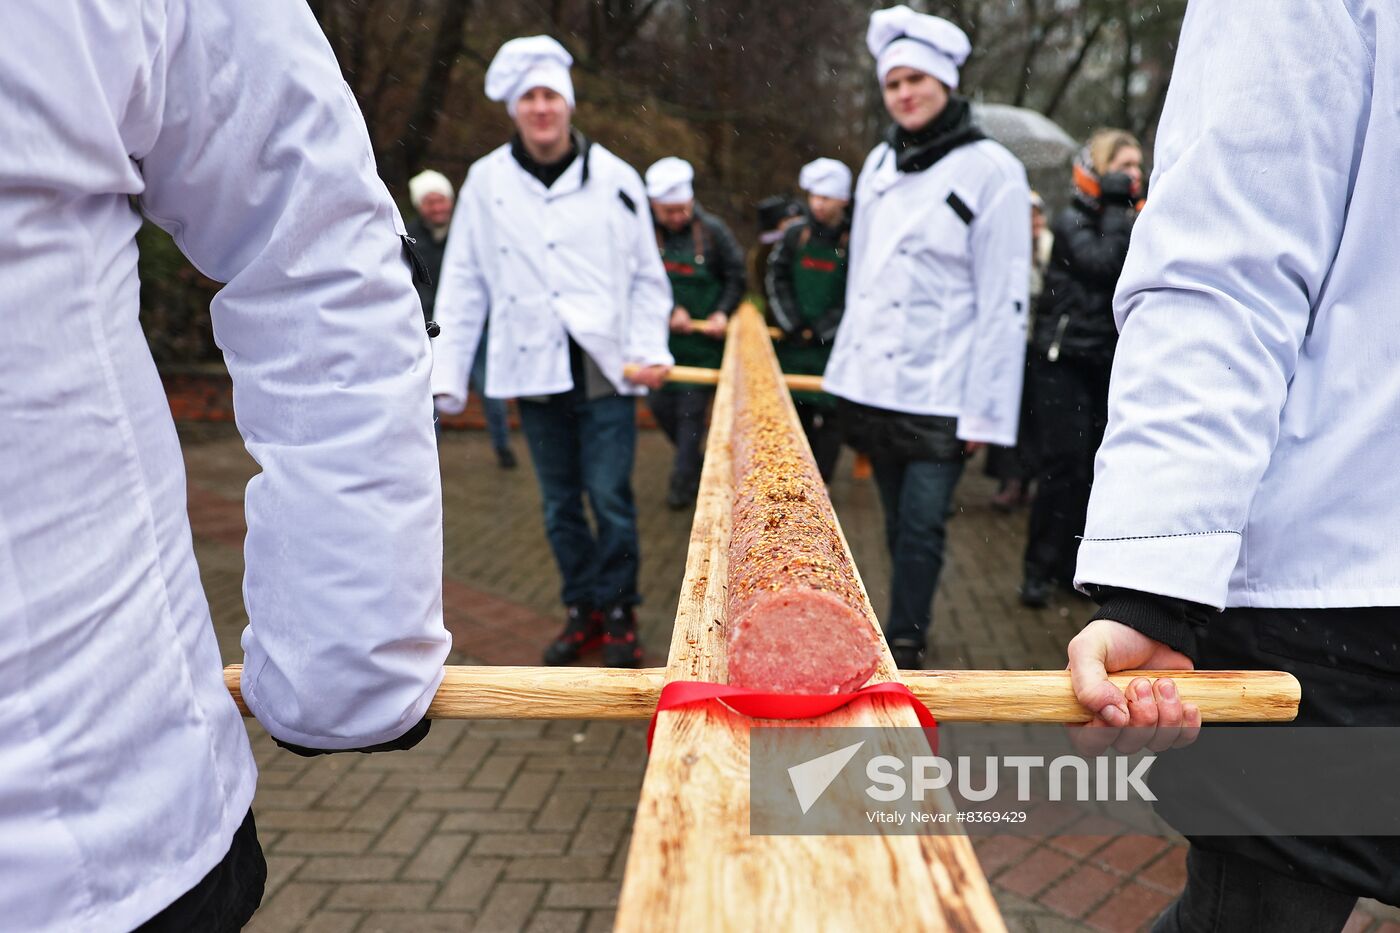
908, 656
1035, 593
505, 458
583, 631
620, 645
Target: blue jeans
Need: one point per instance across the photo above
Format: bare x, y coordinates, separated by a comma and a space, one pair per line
496, 423
581, 447
915, 495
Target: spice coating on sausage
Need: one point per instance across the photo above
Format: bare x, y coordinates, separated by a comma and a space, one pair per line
797, 619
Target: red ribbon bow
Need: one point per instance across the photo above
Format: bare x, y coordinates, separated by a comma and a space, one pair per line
757, 705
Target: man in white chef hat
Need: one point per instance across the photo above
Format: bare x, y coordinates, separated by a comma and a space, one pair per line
552, 238
706, 269
928, 359
806, 284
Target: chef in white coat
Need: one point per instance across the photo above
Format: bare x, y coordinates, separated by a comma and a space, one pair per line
1246, 497
928, 359
553, 239
125, 770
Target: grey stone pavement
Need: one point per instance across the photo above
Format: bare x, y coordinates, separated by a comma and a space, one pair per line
525, 825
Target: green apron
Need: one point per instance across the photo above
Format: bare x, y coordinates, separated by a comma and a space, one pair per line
696, 289
819, 280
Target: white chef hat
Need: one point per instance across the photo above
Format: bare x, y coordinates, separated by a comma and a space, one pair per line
827, 178
426, 183
670, 180
899, 36
531, 62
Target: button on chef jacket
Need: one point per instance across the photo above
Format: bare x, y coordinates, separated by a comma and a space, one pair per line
124, 766
577, 259
935, 320
1254, 413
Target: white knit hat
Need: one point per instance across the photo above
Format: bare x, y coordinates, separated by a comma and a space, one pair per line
826, 178
531, 62
426, 183
671, 181
900, 37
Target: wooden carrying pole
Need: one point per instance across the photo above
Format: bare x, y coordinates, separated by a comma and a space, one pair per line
952, 696
697, 375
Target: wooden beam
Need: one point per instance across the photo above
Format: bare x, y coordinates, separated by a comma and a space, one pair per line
692, 861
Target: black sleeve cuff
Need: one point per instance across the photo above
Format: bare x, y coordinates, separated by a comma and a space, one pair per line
1171, 621
404, 742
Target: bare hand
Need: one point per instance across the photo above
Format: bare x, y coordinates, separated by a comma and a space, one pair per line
716, 324
653, 377
680, 321
1153, 711
971, 447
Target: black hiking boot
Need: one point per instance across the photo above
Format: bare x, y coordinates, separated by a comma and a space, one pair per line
1035, 592
583, 631
908, 656
620, 645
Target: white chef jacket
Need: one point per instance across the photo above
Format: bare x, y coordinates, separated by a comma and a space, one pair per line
936, 305
124, 766
1254, 413
578, 258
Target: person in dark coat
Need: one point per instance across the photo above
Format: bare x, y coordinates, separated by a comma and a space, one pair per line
774, 214
706, 268
1071, 352
432, 197
806, 287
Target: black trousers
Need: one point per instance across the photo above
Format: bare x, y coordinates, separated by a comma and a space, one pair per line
1228, 893
682, 415
1069, 410
823, 432
1349, 668
226, 898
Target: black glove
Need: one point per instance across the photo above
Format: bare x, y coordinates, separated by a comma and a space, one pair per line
1118, 188
404, 742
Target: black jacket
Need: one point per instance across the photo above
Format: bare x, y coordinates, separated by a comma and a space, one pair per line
431, 254
1074, 319
782, 298
722, 253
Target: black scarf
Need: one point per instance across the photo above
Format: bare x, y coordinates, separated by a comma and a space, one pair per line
916, 151
548, 173
829, 235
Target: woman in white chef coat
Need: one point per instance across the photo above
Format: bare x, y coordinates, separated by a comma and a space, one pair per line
928, 359
553, 238
125, 770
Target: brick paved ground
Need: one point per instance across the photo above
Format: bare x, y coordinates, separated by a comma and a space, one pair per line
524, 826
